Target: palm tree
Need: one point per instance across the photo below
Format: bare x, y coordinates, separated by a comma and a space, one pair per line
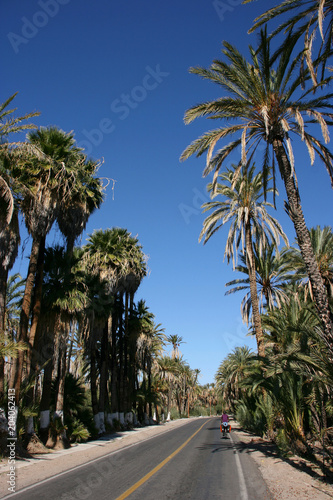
117, 257
233, 371
9, 346
9, 124
309, 18
175, 341
149, 347
322, 244
86, 196
245, 210
271, 277
64, 298
49, 183
167, 372
9, 226
266, 103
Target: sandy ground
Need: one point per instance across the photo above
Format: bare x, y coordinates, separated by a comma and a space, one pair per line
288, 479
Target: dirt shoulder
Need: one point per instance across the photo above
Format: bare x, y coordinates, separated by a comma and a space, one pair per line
288, 479
292, 478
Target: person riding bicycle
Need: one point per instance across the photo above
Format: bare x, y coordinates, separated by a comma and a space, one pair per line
224, 423
224, 417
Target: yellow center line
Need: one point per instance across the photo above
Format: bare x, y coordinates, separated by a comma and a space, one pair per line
158, 467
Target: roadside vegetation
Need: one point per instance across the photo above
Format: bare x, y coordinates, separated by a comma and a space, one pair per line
271, 98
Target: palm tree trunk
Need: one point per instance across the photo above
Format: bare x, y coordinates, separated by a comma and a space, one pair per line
253, 290
93, 382
3, 286
304, 243
32, 362
114, 366
103, 377
47, 360
17, 373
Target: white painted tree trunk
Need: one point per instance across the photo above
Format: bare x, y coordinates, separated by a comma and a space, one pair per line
96, 421
129, 418
101, 428
30, 425
122, 418
113, 417
168, 417
44, 419
3, 422
59, 414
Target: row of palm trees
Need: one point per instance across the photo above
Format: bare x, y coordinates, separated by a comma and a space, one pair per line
269, 98
72, 324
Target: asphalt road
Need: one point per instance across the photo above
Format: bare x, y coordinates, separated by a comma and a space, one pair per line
189, 462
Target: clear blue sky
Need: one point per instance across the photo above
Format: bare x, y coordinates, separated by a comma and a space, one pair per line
116, 73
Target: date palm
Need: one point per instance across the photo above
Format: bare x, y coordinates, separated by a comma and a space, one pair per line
266, 103
271, 277
175, 341
243, 207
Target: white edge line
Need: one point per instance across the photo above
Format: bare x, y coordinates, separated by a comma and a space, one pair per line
242, 484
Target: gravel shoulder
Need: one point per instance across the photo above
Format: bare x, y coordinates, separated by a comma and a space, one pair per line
287, 479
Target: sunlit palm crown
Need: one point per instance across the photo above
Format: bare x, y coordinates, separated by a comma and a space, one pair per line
239, 203
265, 101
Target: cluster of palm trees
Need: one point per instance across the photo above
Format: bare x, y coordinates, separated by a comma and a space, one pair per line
287, 393
72, 323
77, 350
268, 99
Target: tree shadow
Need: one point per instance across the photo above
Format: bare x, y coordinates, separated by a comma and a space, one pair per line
309, 465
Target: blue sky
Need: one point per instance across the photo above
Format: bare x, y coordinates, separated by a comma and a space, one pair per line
116, 73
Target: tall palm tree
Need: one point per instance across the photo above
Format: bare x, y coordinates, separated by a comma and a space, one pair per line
244, 208
149, 347
117, 257
167, 372
271, 277
266, 103
9, 226
64, 298
48, 183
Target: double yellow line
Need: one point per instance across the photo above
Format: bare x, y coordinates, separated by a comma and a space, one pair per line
158, 467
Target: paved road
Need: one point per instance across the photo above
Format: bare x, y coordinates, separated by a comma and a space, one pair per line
189, 462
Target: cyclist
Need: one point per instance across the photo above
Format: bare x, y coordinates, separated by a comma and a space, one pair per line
224, 421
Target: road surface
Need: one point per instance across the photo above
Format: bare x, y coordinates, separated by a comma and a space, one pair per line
188, 462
